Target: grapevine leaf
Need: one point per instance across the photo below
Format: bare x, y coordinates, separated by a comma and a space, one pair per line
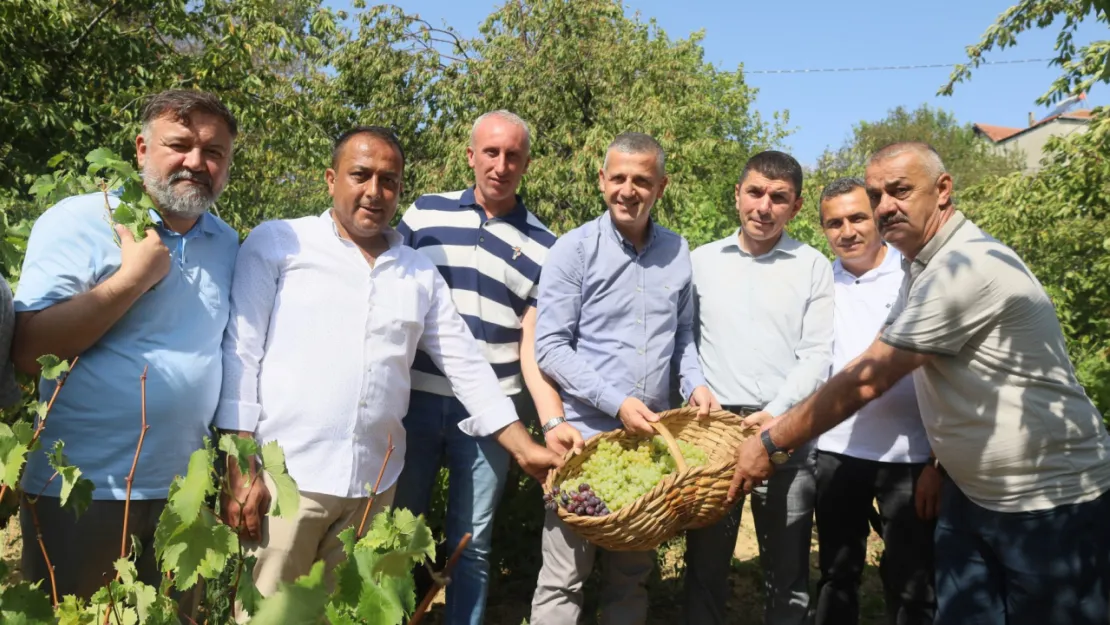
338, 615
240, 449
100, 157
152, 607
123, 214
199, 549
247, 593
378, 605
126, 570
71, 611
404, 589
404, 539
52, 366
13, 452
194, 487
347, 537
287, 498
299, 603
57, 158
76, 491
24, 604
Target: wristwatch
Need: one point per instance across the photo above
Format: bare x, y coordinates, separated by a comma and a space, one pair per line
551, 423
776, 453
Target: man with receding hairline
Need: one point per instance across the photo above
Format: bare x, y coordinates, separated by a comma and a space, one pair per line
1021, 537
616, 316
88, 289
327, 312
490, 249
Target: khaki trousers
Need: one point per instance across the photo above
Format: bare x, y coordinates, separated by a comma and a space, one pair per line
290, 546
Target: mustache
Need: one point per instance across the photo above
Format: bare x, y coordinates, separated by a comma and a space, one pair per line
186, 174
892, 219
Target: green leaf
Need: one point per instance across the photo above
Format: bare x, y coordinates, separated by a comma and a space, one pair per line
287, 499
13, 453
76, 491
126, 570
194, 487
299, 603
378, 605
52, 366
404, 589
240, 449
24, 604
247, 593
199, 549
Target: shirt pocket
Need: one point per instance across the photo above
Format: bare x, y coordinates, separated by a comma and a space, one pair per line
401, 314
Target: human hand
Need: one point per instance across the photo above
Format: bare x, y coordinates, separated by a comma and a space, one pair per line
926, 494
757, 419
702, 399
753, 467
636, 417
563, 438
142, 263
536, 460
243, 505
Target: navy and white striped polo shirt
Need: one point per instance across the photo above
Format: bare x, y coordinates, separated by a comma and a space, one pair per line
493, 269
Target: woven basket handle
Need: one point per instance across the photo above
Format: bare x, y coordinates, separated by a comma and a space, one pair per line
672, 445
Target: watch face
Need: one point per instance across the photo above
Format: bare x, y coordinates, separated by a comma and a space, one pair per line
779, 457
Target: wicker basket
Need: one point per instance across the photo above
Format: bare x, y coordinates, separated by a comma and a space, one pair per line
689, 498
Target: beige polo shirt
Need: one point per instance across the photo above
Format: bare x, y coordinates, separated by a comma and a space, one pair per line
1001, 404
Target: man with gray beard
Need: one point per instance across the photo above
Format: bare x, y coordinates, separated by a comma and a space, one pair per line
87, 289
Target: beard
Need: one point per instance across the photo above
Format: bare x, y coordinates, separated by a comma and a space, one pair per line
189, 202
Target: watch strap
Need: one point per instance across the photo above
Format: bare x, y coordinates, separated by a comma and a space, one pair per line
552, 423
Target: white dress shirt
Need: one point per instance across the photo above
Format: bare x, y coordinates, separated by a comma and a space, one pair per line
888, 429
319, 346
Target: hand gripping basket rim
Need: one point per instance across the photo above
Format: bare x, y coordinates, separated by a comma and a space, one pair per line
689, 498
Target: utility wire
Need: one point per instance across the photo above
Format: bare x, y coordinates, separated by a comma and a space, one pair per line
882, 67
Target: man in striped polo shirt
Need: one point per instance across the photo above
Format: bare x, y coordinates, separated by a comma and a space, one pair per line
489, 248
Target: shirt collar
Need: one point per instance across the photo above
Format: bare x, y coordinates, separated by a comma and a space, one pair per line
786, 244
611, 228
205, 224
940, 238
892, 262
392, 237
517, 217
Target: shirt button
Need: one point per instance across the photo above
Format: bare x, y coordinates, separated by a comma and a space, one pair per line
639, 385
639, 290
639, 351
361, 404
481, 239
639, 321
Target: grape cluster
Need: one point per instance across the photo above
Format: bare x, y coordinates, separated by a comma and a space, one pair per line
583, 501
619, 474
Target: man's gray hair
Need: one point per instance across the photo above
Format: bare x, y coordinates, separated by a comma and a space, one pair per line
507, 116
928, 154
841, 186
637, 143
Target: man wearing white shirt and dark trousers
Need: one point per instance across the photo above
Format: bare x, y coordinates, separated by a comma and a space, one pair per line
764, 305
326, 315
880, 453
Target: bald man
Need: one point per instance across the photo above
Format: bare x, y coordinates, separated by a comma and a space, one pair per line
1022, 533
489, 248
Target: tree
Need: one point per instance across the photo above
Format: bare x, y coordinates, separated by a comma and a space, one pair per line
1058, 220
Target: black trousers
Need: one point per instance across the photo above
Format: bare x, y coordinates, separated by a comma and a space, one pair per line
846, 487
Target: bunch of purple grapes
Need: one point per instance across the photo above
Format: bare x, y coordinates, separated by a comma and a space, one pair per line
584, 502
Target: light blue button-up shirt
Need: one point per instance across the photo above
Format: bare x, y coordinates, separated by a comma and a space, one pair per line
613, 322
176, 329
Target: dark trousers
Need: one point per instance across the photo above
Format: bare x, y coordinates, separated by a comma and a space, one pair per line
84, 549
846, 487
1047, 567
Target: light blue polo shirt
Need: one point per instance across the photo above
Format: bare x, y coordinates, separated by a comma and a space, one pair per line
176, 329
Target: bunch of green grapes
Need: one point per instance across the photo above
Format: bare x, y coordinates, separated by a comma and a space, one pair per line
618, 475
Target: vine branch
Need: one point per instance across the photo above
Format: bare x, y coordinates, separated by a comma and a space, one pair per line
33, 507
374, 493
134, 463
436, 585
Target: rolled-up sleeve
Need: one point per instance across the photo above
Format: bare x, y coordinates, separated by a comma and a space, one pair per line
558, 308
448, 342
814, 350
685, 359
254, 289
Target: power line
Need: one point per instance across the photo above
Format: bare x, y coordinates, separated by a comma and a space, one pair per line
883, 67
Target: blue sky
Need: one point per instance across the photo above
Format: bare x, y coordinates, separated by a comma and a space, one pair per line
772, 35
